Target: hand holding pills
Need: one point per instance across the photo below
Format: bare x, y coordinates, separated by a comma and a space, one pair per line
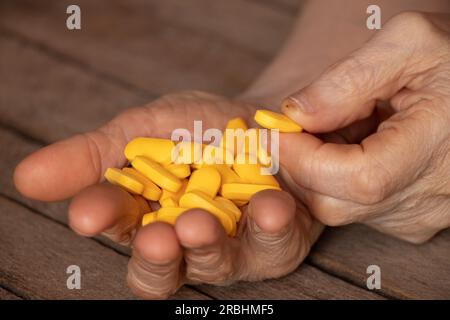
187, 223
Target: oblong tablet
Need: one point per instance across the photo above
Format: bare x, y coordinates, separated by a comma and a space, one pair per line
273, 120
243, 191
197, 199
159, 150
156, 173
206, 180
124, 180
151, 191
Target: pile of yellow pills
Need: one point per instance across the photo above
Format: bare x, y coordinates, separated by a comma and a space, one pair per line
202, 179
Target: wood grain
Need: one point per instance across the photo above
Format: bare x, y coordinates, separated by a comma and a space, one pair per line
36, 253
215, 46
49, 99
6, 295
305, 283
407, 271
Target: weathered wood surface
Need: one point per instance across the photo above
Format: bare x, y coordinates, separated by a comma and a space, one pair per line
35, 254
407, 271
6, 295
56, 83
217, 46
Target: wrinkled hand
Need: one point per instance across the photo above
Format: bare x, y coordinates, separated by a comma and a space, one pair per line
384, 164
274, 235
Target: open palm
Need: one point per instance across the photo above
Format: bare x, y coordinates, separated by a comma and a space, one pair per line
274, 235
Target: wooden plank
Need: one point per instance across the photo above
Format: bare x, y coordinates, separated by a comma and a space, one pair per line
407, 271
305, 283
35, 253
6, 295
149, 45
49, 99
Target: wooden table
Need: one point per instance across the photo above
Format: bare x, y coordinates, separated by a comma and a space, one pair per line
56, 82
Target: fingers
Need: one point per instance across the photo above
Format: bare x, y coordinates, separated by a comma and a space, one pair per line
368, 172
154, 270
348, 91
210, 255
277, 236
108, 209
62, 169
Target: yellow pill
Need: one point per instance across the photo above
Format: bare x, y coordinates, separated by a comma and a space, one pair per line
240, 203
228, 204
156, 173
243, 191
159, 150
237, 123
251, 172
197, 199
169, 203
227, 175
148, 218
174, 195
187, 152
124, 180
169, 215
216, 155
151, 191
273, 120
233, 124
206, 180
180, 171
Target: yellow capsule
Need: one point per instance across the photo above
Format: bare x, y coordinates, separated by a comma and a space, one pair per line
169, 214
169, 203
251, 172
124, 180
273, 120
180, 171
243, 191
151, 191
228, 204
197, 199
158, 150
148, 218
206, 180
156, 173
174, 195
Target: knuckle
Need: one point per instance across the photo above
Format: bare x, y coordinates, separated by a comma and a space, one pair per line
370, 185
327, 212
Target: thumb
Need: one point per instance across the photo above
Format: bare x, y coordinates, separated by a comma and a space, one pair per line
348, 90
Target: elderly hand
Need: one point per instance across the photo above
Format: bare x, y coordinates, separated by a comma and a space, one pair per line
274, 234
387, 161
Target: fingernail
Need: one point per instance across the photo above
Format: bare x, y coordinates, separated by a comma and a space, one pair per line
297, 105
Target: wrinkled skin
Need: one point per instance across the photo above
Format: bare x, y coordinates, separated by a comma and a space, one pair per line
387, 167
397, 179
274, 236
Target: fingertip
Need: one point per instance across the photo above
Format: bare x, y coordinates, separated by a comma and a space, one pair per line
157, 243
28, 175
272, 210
57, 171
98, 208
198, 228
